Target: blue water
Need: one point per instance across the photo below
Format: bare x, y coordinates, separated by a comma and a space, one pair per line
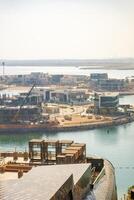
117, 146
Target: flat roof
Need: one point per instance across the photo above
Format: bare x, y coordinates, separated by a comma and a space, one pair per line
41, 182
72, 151
36, 140
78, 145
69, 155
74, 148
108, 93
66, 141
51, 141
18, 107
61, 156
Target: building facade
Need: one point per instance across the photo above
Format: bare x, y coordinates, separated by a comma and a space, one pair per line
98, 76
111, 84
106, 103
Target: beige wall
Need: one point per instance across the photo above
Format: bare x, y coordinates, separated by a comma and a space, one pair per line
83, 185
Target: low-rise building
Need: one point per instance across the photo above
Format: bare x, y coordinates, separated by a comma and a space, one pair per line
68, 80
73, 96
78, 96
95, 78
12, 114
98, 76
59, 96
111, 84
32, 99
55, 79
106, 103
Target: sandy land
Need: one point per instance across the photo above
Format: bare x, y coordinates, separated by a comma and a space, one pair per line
8, 176
18, 88
81, 120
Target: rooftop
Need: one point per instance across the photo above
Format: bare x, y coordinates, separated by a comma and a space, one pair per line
18, 107
41, 182
108, 94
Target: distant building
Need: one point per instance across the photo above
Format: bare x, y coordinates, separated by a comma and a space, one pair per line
68, 80
78, 96
111, 84
101, 82
130, 81
106, 103
25, 79
98, 76
58, 96
39, 78
11, 114
32, 99
55, 79
95, 78
75, 96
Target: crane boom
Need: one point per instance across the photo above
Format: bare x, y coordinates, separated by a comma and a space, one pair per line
23, 103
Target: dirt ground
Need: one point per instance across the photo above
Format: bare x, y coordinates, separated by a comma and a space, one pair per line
77, 119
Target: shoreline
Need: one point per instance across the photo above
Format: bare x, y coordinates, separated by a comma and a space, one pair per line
9, 129
96, 125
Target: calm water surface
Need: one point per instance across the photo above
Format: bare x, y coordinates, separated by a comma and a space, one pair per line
117, 146
65, 70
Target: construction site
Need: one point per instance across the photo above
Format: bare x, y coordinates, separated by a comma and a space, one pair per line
40, 109
44, 152
61, 163
56, 152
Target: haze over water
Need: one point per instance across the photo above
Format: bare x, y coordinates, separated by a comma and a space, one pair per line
10, 70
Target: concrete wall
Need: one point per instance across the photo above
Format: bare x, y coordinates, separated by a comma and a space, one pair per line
82, 187
65, 191
107, 189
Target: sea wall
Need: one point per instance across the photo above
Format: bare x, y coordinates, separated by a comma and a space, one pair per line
116, 122
107, 189
59, 128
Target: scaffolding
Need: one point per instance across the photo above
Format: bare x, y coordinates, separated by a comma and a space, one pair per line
56, 152
36, 150
51, 150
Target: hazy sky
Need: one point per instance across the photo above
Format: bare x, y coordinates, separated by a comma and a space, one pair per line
66, 28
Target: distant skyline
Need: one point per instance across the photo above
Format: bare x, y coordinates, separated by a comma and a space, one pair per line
61, 29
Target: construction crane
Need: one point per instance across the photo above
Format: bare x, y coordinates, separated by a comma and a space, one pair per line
23, 103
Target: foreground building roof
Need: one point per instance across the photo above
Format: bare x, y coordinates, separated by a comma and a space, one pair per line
49, 182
